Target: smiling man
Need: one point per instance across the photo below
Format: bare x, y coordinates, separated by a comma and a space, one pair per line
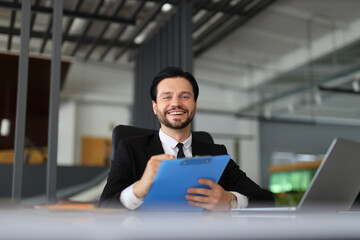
174, 96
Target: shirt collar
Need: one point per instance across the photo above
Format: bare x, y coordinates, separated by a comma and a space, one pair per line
172, 142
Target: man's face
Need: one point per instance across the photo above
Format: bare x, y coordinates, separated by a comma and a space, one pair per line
175, 105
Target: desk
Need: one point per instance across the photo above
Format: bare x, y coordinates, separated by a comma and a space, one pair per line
30, 223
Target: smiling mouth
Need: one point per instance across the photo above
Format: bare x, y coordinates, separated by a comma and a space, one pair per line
176, 113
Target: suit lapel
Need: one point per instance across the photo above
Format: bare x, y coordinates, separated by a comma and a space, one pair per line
155, 147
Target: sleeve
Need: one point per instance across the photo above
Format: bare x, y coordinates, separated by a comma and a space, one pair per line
128, 198
242, 200
119, 177
234, 179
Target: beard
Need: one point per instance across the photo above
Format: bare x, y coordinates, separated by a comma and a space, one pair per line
177, 123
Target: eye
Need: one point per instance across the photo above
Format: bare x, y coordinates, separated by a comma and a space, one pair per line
185, 97
166, 98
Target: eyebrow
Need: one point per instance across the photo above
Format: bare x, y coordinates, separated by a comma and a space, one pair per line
165, 93
170, 92
186, 92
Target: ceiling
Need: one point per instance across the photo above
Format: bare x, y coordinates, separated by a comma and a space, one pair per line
294, 61
111, 30
286, 59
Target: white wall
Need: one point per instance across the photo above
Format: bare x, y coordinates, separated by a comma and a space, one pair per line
66, 138
95, 98
111, 84
245, 130
97, 120
226, 96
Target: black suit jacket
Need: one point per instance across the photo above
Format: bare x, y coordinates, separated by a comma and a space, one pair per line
131, 157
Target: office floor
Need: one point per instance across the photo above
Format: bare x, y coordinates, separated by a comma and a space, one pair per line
32, 223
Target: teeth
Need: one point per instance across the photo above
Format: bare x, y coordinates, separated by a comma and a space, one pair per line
174, 113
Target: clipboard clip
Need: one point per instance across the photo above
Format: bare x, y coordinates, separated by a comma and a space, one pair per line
195, 161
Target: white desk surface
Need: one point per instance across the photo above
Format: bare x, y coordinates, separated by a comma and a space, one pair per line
31, 223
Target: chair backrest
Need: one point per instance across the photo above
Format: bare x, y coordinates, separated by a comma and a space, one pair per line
125, 131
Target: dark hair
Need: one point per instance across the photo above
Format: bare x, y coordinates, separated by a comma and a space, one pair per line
171, 72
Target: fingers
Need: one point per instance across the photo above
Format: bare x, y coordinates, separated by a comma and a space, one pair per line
207, 182
202, 191
154, 163
161, 157
207, 202
142, 187
201, 205
215, 198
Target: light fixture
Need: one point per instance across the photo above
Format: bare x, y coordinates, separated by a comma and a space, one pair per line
234, 2
267, 113
5, 122
291, 108
139, 39
355, 86
166, 7
5, 127
318, 98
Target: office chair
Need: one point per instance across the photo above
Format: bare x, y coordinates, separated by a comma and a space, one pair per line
124, 131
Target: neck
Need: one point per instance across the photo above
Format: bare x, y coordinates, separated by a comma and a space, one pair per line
179, 135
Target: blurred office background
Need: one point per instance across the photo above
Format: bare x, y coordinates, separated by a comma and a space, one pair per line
278, 81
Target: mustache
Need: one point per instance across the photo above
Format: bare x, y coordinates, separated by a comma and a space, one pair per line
176, 108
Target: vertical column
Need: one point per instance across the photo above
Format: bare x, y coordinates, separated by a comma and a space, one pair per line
54, 102
21, 102
170, 46
177, 47
185, 34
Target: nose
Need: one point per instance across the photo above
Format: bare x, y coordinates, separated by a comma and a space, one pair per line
176, 101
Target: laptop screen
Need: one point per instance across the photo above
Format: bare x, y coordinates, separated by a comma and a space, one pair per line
336, 182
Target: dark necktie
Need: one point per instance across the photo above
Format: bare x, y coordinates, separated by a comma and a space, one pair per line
181, 151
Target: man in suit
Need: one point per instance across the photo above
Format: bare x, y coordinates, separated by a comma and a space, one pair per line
136, 161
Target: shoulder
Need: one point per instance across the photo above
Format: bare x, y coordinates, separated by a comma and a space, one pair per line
140, 139
201, 148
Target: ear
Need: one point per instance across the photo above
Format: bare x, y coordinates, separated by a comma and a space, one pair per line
154, 107
195, 105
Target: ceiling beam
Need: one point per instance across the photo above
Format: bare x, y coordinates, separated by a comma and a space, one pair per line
71, 21
220, 22
201, 4
140, 28
69, 38
305, 16
46, 35
33, 17
204, 19
103, 31
246, 16
69, 13
121, 30
304, 87
87, 28
11, 27
338, 90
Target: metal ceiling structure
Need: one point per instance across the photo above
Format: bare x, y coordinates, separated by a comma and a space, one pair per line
273, 50
296, 61
108, 30
323, 80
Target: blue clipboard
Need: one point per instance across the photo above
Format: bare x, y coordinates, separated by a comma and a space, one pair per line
174, 177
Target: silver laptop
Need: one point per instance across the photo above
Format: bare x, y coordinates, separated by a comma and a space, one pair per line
335, 184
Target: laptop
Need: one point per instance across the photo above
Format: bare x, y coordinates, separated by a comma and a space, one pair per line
335, 184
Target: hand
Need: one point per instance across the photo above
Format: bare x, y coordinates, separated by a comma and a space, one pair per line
142, 187
215, 198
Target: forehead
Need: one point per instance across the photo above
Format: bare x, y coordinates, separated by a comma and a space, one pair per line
176, 84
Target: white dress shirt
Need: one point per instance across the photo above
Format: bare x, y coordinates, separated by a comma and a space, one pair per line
127, 196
